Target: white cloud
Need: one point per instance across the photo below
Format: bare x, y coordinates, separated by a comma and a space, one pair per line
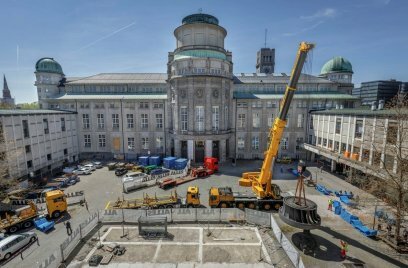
321, 14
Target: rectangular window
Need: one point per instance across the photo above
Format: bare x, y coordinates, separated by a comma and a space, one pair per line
311, 122
300, 120
158, 105
131, 144
65, 151
336, 146
241, 121
29, 163
159, 121
144, 105
49, 157
159, 143
115, 121
145, 143
129, 118
338, 125
319, 140
215, 118
242, 104
85, 121
101, 121
26, 130
270, 120
284, 143
324, 142
241, 143
299, 142
330, 144
144, 123
183, 118
199, 111
255, 120
392, 133
255, 143
62, 124
102, 140
46, 129
28, 148
87, 141
359, 129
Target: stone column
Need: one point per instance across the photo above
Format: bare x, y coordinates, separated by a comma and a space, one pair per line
333, 166
177, 148
208, 148
222, 149
190, 149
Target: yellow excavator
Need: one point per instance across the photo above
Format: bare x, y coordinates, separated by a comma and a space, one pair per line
266, 194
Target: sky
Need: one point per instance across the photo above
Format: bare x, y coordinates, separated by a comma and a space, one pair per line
101, 36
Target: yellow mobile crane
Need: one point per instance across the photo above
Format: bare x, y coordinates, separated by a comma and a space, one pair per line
267, 195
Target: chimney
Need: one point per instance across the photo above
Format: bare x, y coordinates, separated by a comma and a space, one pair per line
373, 106
381, 105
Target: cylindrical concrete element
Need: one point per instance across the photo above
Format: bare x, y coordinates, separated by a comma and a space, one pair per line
300, 216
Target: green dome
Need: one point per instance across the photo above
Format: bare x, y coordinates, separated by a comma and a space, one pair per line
200, 18
48, 65
337, 65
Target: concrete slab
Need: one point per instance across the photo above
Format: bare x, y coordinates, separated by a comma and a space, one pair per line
241, 236
231, 254
176, 254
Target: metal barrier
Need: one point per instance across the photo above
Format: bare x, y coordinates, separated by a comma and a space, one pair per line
258, 217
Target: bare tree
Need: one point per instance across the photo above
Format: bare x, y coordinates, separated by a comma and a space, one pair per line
390, 159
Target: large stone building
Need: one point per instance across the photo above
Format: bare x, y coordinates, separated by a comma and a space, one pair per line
7, 101
198, 108
36, 142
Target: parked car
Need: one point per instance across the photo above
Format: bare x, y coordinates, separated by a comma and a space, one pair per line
90, 166
284, 160
120, 171
13, 243
98, 164
133, 176
82, 171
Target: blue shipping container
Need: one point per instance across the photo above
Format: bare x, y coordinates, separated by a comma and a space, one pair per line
155, 160
143, 160
180, 163
169, 162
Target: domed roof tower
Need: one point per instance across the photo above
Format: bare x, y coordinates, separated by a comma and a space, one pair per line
338, 69
48, 65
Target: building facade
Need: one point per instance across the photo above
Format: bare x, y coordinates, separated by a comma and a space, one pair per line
36, 142
354, 138
198, 108
374, 91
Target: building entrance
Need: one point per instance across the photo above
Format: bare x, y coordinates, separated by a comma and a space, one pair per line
216, 149
183, 145
199, 152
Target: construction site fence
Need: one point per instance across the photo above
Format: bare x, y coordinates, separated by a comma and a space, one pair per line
173, 215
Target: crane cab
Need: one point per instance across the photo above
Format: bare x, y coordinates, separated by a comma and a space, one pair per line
221, 197
56, 203
193, 196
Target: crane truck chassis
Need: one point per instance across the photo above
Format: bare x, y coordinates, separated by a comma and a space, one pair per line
225, 198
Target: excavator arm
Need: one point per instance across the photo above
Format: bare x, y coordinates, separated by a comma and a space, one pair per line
261, 182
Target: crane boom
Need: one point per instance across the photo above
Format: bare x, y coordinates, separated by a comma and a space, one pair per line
261, 182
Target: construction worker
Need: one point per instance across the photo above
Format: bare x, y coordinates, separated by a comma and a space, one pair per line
330, 204
68, 226
343, 249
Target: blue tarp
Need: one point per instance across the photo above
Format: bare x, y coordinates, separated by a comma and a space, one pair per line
323, 189
143, 160
180, 163
169, 162
345, 215
343, 194
43, 225
346, 201
155, 160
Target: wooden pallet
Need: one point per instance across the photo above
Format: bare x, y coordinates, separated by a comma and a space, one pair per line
106, 259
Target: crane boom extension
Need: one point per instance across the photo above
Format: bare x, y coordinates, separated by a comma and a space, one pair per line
261, 182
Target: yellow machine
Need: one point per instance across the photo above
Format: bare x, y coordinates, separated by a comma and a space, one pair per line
23, 217
56, 203
267, 195
170, 201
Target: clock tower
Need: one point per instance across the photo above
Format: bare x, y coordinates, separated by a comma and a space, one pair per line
265, 61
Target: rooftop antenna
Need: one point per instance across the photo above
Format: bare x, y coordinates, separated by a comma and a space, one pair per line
266, 34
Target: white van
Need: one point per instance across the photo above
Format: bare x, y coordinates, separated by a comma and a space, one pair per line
134, 176
14, 243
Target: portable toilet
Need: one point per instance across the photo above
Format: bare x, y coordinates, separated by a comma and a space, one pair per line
169, 162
